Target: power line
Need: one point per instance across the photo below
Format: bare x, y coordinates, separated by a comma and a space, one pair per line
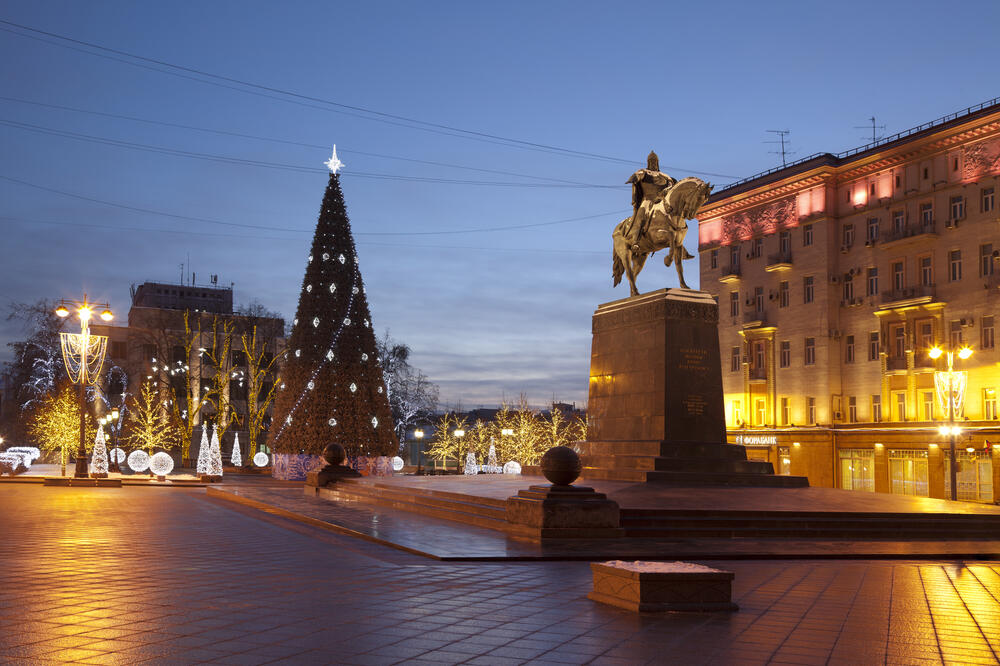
225, 159
270, 228
374, 114
241, 135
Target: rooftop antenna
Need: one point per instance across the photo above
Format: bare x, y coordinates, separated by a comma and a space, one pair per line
874, 128
182, 272
783, 141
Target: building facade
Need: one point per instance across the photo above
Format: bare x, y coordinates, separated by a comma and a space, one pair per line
835, 276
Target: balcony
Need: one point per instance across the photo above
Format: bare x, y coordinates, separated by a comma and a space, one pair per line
992, 283
895, 364
909, 231
758, 374
730, 274
782, 261
754, 319
898, 298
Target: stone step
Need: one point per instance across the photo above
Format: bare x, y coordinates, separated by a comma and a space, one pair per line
805, 532
479, 511
694, 479
665, 448
650, 463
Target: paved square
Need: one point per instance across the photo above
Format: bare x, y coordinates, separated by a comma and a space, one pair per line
130, 575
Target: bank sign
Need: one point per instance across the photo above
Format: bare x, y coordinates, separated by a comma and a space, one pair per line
756, 440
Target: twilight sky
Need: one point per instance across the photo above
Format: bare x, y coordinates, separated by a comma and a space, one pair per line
487, 256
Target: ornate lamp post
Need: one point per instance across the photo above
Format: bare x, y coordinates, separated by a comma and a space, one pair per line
950, 387
83, 355
419, 435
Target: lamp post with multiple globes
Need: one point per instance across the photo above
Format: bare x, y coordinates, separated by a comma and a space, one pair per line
950, 386
83, 355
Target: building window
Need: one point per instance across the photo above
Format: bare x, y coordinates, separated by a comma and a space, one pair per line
908, 472
899, 341
737, 413
760, 412
926, 271
852, 409
876, 408
926, 335
987, 199
785, 242
848, 288
990, 404
974, 475
848, 235
786, 411
807, 235
783, 294
810, 355
857, 469
808, 289
955, 333
927, 214
758, 354
928, 397
756, 248
713, 259
849, 349
872, 234
898, 276
900, 397
957, 207
734, 360
898, 221
811, 410
987, 339
873, 346
986, 259
784, 461
927, 173
758, 299
899, 181
734, 303
955, 265
785, 357
872, 282
734, 257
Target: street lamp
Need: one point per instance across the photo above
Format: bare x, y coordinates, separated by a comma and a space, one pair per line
950, 386
113, 423
83, 355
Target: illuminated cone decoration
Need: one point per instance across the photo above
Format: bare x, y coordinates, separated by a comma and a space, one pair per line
236, 459
99, 459
333, 387
201, 467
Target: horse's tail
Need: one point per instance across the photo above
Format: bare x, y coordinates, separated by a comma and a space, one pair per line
617, 268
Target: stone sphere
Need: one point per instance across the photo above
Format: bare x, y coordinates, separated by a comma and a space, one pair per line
334, 454
561, 465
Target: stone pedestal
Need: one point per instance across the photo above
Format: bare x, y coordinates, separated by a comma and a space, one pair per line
330, 475
698, 589
655, 410
567, 512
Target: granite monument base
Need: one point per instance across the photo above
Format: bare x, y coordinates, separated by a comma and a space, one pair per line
563, 512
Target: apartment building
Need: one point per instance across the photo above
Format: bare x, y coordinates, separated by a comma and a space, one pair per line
835, 276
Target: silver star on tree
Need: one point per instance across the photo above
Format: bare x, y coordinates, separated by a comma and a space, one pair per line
334, 164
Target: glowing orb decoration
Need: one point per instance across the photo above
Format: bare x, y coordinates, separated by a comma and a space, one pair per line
366, 323
512, 468
355, 290
309, 288
397, 464
161, 463
342, 259
332, 422
138, 461
295, 322
329, 354
326, 256
353, 387
347, 321
298, 353
374, 422
260, 459
288, 419
379, 389
364, 357
310, 258
311, 385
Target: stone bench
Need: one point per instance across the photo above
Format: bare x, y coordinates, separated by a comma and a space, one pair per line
662, 586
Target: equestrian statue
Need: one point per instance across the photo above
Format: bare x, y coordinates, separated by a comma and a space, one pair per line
661, 207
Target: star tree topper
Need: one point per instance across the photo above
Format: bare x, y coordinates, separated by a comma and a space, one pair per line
334, 163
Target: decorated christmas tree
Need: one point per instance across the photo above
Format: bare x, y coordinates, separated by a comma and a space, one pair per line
215, 455
333, 389
99, 459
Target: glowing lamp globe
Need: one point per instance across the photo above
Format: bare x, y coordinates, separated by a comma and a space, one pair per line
161, 463
260, 459
397, 464
512, 467
107, 316
117, 455
62, 311
935, 352
965, 352
138, 461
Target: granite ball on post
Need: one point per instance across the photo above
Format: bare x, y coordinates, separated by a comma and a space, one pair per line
561, 465
335, 470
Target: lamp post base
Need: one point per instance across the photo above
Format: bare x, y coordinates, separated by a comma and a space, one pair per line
81, 468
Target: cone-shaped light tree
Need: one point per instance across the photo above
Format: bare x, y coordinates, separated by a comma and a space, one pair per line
333, 389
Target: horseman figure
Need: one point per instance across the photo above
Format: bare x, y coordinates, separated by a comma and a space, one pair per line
661, 207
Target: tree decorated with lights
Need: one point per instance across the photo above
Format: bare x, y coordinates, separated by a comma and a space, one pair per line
99, 459
332, 384
236, 460
215, 455
201, 467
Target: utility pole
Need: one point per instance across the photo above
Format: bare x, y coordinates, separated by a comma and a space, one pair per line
782, 140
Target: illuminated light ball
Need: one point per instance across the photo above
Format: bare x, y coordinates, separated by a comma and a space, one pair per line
161, 464
310, 258
347, 321
364, 357
332, 422
353, 387
512, 468
311, 385
295, 322
326, 256
366, 323
397, 464
298, 353
355, 290
138, 461
260, 459
379, 389
309, 288
329, 355
117, 455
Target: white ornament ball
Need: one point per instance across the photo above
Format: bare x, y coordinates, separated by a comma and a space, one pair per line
355, 290
329, 355
138, 461
260, 459
332, 422
347, 321
310, 258
161, 464
397, 464
326, 256
117, 455
353, 387
298, 353
512, 468
309, 288
379, 389
364, 357
311, 385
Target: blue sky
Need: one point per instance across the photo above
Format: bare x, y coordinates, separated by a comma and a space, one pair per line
488, 313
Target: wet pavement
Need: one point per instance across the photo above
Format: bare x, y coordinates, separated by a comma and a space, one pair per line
124, 575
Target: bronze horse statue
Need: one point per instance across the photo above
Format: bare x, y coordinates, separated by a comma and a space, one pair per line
666, 229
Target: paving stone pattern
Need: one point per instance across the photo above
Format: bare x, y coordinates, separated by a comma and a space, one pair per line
124, 575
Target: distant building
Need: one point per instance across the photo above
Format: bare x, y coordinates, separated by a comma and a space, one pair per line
834, 276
